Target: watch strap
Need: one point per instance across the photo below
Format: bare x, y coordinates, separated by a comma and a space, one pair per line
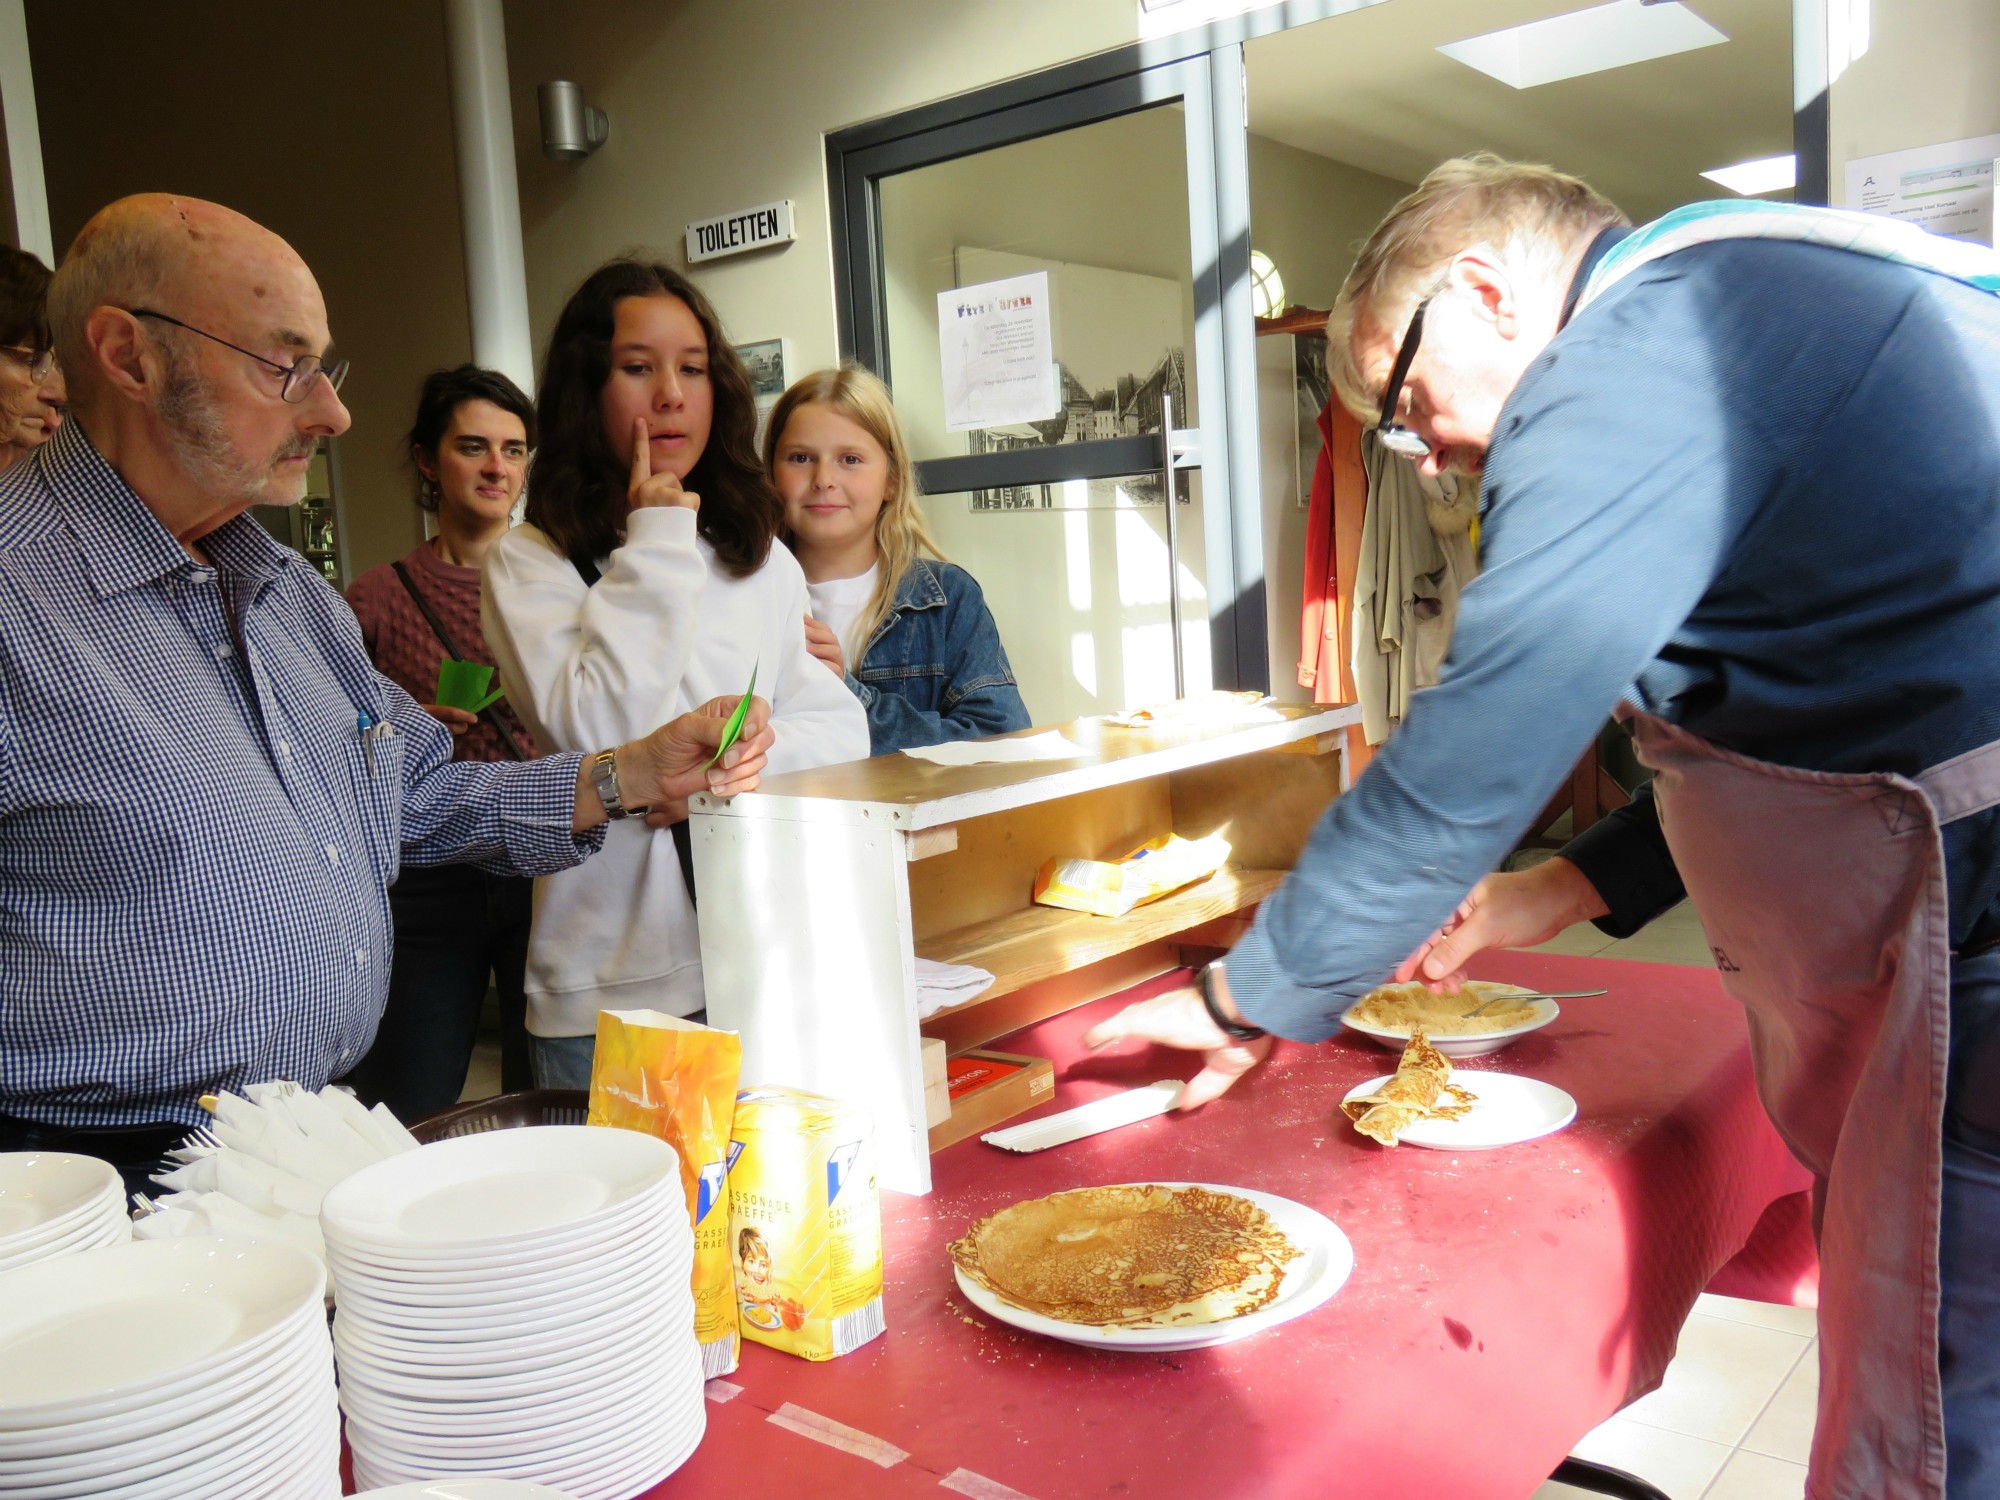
604, 777
1235, 1030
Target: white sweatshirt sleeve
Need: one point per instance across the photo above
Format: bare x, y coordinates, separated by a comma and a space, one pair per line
595, 666
818, 721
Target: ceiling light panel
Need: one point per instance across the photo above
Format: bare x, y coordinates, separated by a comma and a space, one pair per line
1749, 179
1585, 41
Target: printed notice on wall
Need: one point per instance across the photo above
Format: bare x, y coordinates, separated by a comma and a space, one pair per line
1948, 188
998, 354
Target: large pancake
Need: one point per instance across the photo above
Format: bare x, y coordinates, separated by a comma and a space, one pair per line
1135, 1257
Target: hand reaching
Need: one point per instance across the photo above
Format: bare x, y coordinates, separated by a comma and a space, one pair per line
1510, 910
824, 644
1179, 1019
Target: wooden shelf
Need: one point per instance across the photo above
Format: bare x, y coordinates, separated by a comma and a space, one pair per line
1039, 942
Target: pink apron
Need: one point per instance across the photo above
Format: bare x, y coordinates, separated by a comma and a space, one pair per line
1823, 896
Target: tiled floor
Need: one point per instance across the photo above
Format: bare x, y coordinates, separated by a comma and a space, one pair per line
1734, 1418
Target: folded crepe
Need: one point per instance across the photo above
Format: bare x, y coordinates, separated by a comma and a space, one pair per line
1421, 1090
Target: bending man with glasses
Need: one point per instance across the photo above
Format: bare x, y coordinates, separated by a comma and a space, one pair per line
205, 786
1742, 487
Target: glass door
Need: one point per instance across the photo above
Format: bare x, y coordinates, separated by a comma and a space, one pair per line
1039, 286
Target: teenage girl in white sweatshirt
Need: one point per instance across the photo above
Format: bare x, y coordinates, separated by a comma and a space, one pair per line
647, 579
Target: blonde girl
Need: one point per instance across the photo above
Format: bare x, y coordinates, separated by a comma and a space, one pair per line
907, 631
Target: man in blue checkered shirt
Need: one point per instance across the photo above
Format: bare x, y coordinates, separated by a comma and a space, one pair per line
205, 786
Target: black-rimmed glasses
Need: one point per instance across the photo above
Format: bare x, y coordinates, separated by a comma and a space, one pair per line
298, 377
1393, 434
37, 361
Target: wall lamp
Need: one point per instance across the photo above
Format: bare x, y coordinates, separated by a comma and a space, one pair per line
571, 129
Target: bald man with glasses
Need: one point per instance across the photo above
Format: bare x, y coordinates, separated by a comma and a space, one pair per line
205, 786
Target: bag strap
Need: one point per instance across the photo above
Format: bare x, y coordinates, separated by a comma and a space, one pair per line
683, 835
491, 712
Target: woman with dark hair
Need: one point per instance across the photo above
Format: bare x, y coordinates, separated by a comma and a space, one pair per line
455, 925
649, 574
30, 386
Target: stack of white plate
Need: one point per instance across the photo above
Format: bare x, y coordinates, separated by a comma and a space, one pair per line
51, 1205
516, 1305
467, 1489
191, 1369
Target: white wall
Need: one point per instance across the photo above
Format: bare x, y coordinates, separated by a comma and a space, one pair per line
1931, 74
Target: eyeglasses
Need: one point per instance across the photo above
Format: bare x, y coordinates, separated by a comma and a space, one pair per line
1392, 434
38, 361
298, 377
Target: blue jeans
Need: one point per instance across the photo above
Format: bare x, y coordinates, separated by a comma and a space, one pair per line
1969, 1245
561, 1062
456, 926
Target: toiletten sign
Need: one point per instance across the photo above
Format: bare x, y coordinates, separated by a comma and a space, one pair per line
747, 229
996, 348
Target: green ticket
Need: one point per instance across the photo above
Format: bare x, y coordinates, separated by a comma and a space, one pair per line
734, 728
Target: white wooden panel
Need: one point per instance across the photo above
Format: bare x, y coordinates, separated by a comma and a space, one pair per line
806, 950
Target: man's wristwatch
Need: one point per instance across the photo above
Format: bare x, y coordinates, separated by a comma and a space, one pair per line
1235, 1030
604, 776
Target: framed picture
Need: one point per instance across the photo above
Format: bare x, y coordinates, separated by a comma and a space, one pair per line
770, 372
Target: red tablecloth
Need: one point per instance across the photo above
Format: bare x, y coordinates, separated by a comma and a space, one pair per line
1503, 1303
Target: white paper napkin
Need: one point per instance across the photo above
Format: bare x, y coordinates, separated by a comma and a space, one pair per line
940, 985
1050, 745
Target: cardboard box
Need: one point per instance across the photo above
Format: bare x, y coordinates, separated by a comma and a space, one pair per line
989, 1087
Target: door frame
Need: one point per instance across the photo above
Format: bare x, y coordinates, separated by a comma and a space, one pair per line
1202, 69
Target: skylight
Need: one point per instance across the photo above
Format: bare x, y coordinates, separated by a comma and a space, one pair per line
1585, 41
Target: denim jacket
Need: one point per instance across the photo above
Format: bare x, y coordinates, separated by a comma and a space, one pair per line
935, 670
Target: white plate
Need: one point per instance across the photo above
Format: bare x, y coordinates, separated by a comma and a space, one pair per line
635, 1419
503, 1351
290, 1389
657, 1235
610, 1476
1476, 1044
476, 1301
94, 1235
244, 1366
185, 1414
467, 1383
40, 1190
1320, 1271
103, 1322
1507, 1110
467, 1489
617, 1226
541, 1184
501, 1414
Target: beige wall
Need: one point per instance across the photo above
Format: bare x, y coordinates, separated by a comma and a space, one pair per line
336, 134
1931, 74
722, 104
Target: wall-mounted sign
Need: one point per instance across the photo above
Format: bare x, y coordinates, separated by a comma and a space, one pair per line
747, 229
994, 342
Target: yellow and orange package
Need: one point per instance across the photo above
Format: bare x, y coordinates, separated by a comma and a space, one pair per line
1112, 887
805, 1223
677, 1080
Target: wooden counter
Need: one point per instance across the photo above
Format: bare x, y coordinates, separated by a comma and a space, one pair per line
819, 891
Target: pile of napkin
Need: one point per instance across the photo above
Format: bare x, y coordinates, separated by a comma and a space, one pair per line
262, 1167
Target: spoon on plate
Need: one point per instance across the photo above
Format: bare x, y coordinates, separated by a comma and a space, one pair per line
1486, 1005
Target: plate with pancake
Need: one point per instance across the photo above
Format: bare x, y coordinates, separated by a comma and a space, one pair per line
1152, 1267
1389, 1013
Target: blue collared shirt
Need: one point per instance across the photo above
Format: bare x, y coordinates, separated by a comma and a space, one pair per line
1751, 489
196, 840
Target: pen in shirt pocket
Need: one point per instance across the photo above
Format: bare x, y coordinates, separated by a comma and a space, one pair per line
370, 729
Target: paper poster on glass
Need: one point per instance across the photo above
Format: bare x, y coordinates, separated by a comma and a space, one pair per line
997, 353
1947, 188
1120, 342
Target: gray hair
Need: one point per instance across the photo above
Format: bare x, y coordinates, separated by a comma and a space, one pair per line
119, 260
1533, 212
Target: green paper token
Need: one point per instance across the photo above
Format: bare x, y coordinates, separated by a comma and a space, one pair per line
734, 727
463, 684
